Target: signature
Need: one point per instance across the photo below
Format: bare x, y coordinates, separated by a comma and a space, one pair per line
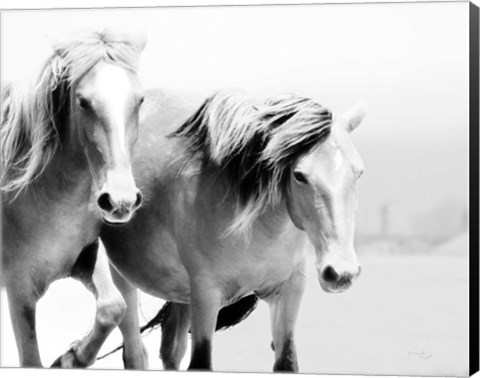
422, 355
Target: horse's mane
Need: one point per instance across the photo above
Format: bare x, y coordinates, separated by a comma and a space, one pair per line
33, 110
254, 143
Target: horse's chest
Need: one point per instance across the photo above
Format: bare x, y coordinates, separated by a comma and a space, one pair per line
79, 227
51, 237
259, 267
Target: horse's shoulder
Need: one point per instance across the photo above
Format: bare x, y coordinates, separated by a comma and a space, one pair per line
174, 98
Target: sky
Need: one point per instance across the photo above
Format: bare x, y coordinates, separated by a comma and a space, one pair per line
409, 61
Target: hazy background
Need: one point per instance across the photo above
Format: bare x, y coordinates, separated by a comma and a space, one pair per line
410, 63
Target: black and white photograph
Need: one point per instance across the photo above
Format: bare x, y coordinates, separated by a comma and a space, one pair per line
256, 188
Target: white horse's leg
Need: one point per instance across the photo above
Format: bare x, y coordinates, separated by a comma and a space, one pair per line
22, 300
134, 352
205, 304
284, 308
92, 270
175, 336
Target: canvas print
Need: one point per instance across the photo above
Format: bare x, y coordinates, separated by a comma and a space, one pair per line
262, 188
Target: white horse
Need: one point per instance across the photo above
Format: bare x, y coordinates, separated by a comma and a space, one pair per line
66, 143
233, 194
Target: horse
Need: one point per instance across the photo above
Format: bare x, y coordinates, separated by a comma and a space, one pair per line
234, 190
66, 137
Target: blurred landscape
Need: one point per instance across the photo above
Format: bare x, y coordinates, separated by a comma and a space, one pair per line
441, 230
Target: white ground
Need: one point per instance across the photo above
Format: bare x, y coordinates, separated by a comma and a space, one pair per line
405, 315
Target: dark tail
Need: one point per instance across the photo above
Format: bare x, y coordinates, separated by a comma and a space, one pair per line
228, 316
158, 319
237, 312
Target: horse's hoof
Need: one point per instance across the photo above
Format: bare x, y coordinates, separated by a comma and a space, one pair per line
68, 360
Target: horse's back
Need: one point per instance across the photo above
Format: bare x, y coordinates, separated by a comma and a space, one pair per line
163, 111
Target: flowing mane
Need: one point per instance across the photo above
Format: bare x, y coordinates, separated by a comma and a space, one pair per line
254, 143
33, 111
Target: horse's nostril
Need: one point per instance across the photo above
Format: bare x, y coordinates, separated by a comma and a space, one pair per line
138, 201
330, 275
104, 202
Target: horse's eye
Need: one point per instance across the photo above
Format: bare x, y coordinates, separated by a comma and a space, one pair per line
300, 177
83, 103
142, 99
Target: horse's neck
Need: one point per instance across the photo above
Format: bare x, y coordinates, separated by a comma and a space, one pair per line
67, 176
216, 189
275, 221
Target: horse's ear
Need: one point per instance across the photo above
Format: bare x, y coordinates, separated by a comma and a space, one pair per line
54, 41
141, 41
134, 37
356, 115
137, 38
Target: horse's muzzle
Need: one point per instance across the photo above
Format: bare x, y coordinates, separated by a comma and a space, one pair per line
120, 211
333, 281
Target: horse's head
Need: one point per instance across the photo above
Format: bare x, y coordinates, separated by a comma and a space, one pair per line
104, 115
322, 201
106, 104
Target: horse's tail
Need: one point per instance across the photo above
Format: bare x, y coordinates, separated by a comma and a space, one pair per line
237, 312
159, 319
227, 317
155, 322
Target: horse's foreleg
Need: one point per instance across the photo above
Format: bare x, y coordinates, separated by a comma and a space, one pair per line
284, 310
22, 303
134, 352
92, 270
175, 336
205, 304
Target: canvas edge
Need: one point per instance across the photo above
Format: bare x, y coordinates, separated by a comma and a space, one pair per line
474, 188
